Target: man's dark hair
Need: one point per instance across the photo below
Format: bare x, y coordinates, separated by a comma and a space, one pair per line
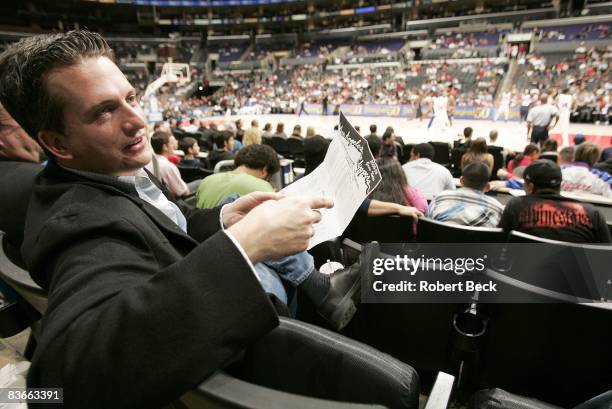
476, 175
373, 128
187, 143
222, 137
25, 67
549, 145
374, 143
425, 150
158, 140
467, 132
258, 157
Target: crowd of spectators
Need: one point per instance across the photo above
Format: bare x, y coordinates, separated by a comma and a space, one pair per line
586, 75
284, 91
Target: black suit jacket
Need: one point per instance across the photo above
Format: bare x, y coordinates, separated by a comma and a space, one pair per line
139, 312
16, 182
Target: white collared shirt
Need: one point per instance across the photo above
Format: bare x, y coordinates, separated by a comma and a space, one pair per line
151, 194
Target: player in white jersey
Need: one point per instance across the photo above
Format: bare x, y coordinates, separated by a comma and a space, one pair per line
526, 101
439, 124
564, 104
504, 106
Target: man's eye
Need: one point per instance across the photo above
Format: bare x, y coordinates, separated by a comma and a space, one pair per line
131, 99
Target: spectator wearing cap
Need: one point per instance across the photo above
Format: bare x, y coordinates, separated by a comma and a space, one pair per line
468, 206
579, 139
540, 119
428, 177
545, 213
581, 176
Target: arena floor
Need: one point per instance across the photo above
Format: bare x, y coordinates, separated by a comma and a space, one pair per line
512, 135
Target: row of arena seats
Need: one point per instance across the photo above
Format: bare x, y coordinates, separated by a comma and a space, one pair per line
554, 351
399, 229
299, 365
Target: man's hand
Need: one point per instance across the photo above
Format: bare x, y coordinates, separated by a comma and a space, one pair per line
278, 228
235, 211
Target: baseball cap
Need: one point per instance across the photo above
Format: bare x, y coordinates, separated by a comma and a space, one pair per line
579, 138
543, 173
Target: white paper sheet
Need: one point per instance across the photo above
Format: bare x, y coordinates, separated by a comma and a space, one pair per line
346, 176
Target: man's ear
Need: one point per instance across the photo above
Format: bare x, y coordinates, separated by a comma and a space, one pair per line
487, 187
528, 187
54, 142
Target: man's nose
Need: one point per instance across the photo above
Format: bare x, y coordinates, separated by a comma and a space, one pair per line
133, 121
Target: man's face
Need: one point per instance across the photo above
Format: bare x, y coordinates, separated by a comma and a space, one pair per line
104, 124
172, 144
229, 144
195, 149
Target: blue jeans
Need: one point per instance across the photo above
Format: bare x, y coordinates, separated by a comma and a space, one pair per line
272, 273
292, 270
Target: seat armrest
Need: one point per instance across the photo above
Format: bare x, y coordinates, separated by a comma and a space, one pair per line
222, 390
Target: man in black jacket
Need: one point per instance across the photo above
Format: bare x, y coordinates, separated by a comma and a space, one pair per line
146, 297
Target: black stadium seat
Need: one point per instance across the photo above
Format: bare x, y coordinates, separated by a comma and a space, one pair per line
383, 229
406, 150
189, 174
279, 144
300, 365
498, 160
441, 153
433, 231
500, 399
456, 155
555, 352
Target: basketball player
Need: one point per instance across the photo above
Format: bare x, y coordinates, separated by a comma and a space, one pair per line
565, 105
452, 104
504, 106
439, 119
525, 104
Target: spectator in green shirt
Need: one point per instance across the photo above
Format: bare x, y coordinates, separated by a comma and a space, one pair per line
255, 164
